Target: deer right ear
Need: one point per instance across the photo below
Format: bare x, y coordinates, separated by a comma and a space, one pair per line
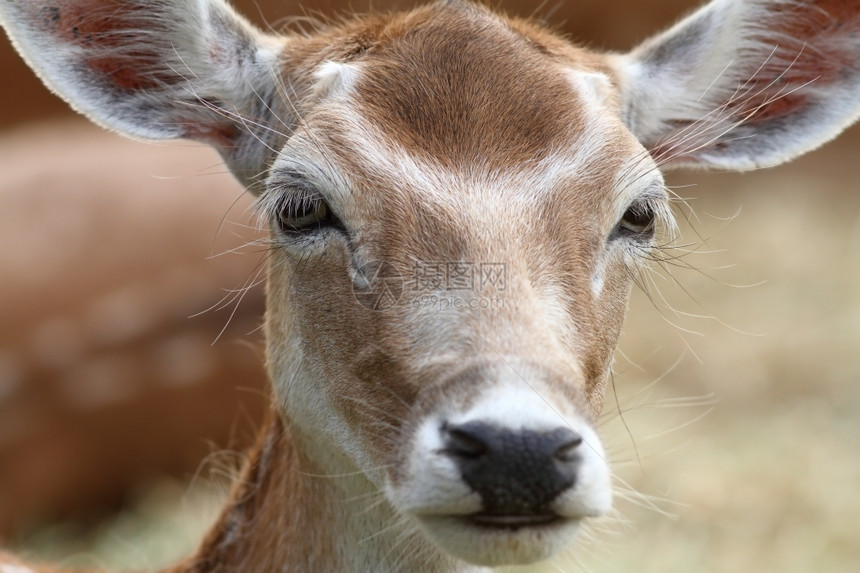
157, 69
742, 84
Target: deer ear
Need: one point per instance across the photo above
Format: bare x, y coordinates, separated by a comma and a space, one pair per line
743, 84
156, 69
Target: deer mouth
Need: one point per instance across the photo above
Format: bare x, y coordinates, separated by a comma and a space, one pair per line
497, 539
513, 521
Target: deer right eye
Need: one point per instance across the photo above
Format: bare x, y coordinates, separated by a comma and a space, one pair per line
303, 213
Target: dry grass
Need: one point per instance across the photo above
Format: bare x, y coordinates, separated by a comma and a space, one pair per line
745, 438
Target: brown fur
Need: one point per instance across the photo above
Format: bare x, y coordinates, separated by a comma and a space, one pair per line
242, 539
490, 99
459, 137
483, 100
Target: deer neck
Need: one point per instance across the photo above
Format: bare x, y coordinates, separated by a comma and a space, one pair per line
288, 514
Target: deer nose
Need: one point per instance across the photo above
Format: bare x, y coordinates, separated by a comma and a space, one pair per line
516, 472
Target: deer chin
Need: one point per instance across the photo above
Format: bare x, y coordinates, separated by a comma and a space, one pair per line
493, 541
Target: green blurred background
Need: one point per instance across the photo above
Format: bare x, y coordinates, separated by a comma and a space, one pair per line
733, 421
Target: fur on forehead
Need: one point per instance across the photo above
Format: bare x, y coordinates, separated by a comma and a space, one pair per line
495, 104
488, 92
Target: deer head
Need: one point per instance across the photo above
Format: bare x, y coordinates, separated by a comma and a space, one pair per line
458, 203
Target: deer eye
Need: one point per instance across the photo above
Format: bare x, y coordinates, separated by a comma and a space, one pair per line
304, 213
638, 222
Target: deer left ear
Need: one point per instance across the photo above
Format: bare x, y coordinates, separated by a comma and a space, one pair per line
157, 69
743, 84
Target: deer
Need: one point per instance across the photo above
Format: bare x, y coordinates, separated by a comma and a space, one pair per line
120, 325
401, 160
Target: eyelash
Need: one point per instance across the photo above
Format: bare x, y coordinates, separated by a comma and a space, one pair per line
299, 212
641, 221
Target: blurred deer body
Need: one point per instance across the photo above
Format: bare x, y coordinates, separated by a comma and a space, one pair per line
458, 202
96, 338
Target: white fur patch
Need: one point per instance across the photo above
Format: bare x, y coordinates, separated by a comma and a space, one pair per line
592, 495
334, 78
434, 483
514, 405
582, 160
595, 88
597, 279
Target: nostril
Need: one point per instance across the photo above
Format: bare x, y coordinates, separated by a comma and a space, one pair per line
517, 472
461, 441
568, 451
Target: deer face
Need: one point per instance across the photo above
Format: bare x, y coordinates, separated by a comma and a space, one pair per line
458, 203
455, 249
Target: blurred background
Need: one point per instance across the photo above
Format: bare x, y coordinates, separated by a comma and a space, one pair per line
130, 356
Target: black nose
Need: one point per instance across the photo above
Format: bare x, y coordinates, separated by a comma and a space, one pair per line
516, 472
